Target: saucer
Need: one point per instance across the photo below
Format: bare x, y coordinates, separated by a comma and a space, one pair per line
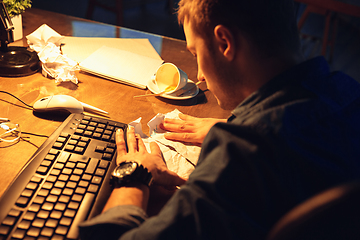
189, 91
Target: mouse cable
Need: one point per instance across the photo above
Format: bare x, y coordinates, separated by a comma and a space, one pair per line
34, 134
17, 99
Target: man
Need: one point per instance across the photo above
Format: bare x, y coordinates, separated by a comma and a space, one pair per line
294, 132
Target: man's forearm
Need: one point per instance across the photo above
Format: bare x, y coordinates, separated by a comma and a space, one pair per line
136, 194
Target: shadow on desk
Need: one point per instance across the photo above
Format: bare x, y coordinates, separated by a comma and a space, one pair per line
200, 98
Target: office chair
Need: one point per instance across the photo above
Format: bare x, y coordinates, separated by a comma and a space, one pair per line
119, 7
332, 214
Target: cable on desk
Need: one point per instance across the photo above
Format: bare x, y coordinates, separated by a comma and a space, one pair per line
17, 99
34, 134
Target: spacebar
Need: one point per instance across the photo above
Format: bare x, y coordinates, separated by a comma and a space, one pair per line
81, 215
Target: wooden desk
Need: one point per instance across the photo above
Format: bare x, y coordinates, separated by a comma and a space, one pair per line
113, 97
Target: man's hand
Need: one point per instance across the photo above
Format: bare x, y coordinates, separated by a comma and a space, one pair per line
189, 129
152, 161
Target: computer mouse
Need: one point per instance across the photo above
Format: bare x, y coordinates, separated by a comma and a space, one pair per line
58, 103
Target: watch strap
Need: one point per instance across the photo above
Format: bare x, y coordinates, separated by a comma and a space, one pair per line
140, 174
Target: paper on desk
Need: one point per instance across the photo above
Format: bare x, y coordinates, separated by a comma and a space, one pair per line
79, 48
121, 66
46, 42
180, 158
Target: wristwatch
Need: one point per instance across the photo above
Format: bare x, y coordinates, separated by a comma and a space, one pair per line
127, 172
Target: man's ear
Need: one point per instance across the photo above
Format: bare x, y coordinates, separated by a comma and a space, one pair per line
225, 41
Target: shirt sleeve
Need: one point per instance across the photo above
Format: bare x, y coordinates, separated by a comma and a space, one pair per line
112, 223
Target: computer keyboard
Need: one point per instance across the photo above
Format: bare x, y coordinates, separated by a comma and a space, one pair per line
64, 183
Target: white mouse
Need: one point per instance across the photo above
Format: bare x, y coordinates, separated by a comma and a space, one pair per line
59, 103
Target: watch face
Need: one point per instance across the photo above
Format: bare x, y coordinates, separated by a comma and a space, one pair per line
126, 168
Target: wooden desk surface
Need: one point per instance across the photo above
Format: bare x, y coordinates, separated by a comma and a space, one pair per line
113, 97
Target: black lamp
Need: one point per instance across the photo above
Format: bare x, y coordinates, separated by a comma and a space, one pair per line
14, 61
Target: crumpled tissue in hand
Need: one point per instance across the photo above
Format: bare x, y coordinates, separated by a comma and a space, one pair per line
179, 157
46, 42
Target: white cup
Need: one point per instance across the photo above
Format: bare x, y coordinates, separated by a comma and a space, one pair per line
169, 78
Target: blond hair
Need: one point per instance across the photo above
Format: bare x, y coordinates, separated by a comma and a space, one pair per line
270, 24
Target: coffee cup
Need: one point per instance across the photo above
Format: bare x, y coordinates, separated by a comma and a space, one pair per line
169, 78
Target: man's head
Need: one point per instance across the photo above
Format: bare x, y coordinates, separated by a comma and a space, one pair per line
270, 24
239, 45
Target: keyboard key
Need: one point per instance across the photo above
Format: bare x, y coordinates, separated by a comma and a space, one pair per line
93, 188
48, 206
56, 214
79, 150
47, 232
83, 183
62, 230
46, 163
32, 185
27, 193
15, 213
52, 198
56, 191
22, 201
96, 180
81, 215
64, 199
39, 199
103, 164
48, 185
4, 230
33, 232
70, 165
69, 213
42, 170
81, 165
52, 223
63, 177
34, 207
76, 198
68, 191
43, 214
80, 190
59, 166
86, 177
73, 205
43, 192
71, 184
75, 178
24, 224
50, 157
67, 171
18, 234
9, 221
59, 184
51, 178
63, 157
82, 144
58, 145
55, 172
65, 221
107, 156
92, 166
38, 223
100, 172
60, 206
29, 216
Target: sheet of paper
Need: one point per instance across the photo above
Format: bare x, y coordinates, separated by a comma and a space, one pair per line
179, 158
122, 66
79, 48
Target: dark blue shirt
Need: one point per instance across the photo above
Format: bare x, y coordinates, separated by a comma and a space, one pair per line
297, 135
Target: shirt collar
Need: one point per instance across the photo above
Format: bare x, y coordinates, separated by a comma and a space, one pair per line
305, 70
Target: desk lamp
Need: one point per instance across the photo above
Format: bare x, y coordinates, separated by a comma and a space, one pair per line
14, 61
